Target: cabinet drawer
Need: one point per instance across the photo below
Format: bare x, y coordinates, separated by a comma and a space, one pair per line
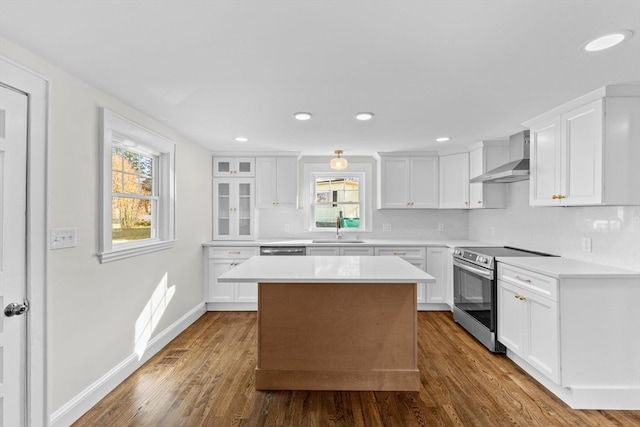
537, 283
401, 252
233, 252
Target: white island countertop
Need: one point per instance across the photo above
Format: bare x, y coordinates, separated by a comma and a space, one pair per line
326, 269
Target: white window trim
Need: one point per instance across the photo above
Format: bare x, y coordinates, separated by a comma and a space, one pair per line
361, 170
166, 151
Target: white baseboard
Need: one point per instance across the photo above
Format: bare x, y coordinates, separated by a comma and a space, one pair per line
76, 407
596, 397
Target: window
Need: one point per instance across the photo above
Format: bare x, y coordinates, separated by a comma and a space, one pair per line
337, 199
138, 200
337, 196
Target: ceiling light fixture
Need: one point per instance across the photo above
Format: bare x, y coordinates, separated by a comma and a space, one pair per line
241, 139
607, 40
302, 116
338, 163
364, 116
443, 139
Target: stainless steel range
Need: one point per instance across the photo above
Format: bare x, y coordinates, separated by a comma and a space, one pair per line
475, 290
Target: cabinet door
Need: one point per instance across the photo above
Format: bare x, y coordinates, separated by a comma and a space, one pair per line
246, 292
542, 347
510, 317
233, 166
266, 182
357, 251
243, 212
422, 287
582, 155
454, 181
220, 292
287, 182
423, 182
394, 183
449, 276
436, 266
476, 168
476, 162
544, 185
222, 209
323, 251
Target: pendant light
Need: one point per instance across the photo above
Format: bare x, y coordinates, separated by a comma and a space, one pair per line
338, 163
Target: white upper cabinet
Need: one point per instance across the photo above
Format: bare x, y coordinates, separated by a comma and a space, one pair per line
233, 167
276, 182
454, 181
483, 157
233, 206
407, 182
586, 152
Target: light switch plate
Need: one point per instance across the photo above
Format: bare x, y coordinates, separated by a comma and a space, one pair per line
61, 238
386, 226
440, 226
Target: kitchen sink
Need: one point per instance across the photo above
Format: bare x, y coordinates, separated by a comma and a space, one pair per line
337, 241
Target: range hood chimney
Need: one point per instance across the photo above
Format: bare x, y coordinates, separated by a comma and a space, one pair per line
518, 167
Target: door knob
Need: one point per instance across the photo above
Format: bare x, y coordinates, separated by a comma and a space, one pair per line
15, 309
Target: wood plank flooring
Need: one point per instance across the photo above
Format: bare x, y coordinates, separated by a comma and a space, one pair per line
205, 378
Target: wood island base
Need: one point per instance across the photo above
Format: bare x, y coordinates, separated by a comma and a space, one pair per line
337, 336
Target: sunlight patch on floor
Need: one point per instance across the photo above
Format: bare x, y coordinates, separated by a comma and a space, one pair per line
151, 315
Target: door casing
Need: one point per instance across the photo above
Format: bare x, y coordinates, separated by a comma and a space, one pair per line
37, 88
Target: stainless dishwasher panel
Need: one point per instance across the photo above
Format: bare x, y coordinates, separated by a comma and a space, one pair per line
283, 250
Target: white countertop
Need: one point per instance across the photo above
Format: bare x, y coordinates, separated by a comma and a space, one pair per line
326, 269
568, 268
338, 242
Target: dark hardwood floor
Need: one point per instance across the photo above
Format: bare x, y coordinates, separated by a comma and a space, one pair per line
205, 378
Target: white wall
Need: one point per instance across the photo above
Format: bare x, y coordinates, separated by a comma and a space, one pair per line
93, 307
614, 230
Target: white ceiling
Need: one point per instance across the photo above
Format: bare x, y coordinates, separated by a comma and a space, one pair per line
214, 70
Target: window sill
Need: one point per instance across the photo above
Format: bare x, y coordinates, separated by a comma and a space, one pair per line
131, 251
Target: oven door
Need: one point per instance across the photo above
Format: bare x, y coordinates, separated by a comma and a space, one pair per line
475, 292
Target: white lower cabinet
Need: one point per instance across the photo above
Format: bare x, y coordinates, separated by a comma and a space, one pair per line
415, 256
528, 326
575, 330
436, 293
229, 296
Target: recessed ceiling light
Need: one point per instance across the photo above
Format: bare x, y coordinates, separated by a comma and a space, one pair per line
302, 116
443, 139
241, 139
364, 116
607, 40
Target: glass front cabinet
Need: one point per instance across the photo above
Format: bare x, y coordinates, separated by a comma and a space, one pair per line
233, 209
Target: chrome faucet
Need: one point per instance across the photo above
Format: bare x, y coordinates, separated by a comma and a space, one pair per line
338, 229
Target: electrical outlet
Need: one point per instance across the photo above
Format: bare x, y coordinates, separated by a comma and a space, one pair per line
441, 226
493, 232
61, 238
386, 226
286, 228
586, 244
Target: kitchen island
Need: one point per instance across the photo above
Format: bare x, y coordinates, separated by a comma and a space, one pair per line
335, 322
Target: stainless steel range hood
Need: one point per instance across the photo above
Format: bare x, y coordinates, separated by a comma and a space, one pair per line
518, 167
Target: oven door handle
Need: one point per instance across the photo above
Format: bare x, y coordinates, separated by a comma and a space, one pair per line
484, 273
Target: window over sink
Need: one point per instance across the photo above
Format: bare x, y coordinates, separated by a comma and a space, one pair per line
337, 197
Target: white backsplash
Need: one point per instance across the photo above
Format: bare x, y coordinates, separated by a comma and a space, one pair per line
614, 230
409, 224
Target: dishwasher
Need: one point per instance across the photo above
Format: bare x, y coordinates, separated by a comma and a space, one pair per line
283, 250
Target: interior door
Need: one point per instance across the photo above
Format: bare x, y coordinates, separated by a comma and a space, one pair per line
13, 267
